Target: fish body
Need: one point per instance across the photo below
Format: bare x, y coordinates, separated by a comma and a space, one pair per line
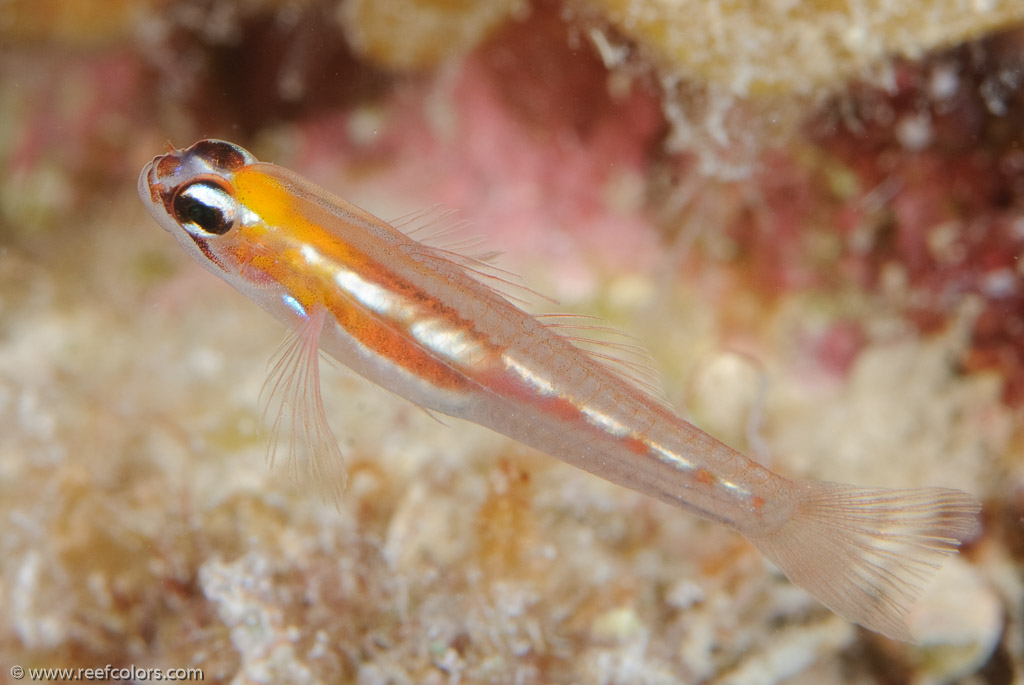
429, 325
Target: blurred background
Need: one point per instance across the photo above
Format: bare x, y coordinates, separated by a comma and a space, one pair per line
812, 214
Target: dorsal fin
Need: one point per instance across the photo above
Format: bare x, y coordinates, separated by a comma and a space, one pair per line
442, 239
440, 228
617, 351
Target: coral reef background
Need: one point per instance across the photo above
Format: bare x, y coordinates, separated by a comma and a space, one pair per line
812, 213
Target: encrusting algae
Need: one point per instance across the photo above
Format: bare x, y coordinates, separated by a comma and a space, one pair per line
845, 306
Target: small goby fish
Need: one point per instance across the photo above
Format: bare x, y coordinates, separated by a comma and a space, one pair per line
429, 325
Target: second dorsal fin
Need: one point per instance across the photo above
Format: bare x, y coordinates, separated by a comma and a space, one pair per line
611, 348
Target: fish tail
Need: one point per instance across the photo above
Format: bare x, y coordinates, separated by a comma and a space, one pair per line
868, 554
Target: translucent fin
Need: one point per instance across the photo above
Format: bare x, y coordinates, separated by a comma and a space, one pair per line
433, 414
293, 389
613, 349
451, 258
505, 284
444, 243
438, 227
623, 355
868, 554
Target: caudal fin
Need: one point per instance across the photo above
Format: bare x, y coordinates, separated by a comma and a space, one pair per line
868, 554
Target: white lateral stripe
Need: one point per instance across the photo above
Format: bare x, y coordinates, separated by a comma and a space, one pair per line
543, 385
671, 457
311, 254
604, 421
369, 294
735, 489
454, 344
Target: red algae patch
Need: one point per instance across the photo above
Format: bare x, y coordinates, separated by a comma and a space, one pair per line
913, 196
939, 214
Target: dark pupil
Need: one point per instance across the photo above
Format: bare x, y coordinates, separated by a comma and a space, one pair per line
204, 216
198, 205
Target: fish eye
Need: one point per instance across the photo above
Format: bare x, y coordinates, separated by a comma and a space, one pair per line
204, 207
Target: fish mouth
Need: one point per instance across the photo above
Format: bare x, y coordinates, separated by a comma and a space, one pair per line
156, 195
146, 185
152, 189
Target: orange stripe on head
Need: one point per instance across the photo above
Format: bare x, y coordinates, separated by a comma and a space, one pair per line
274, 250
277, 206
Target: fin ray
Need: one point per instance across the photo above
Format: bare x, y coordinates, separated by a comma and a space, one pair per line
616, 351
293, 389
868, 554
